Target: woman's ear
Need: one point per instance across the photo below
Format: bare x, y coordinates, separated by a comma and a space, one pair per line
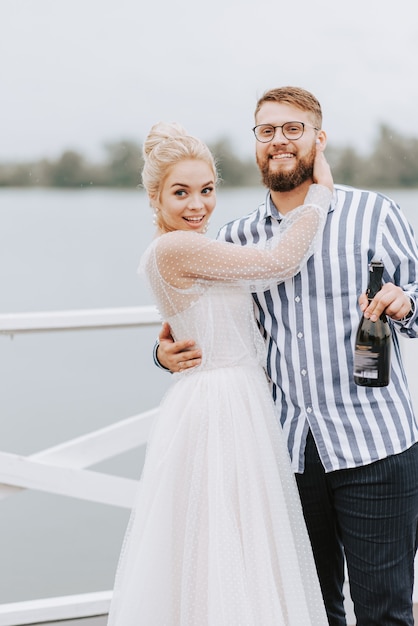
152, 200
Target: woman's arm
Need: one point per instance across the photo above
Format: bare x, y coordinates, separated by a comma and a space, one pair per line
184, 256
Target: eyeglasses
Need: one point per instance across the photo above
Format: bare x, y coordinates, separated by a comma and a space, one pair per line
290, 130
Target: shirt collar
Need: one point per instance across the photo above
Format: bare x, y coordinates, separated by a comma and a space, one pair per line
270, 209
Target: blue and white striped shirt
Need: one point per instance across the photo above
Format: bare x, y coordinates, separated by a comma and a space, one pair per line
309, 324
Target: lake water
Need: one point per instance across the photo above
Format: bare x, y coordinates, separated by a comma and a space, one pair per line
73, 250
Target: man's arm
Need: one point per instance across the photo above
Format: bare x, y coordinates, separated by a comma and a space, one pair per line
175, 356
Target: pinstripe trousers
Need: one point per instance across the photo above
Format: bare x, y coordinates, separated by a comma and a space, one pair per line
370, 515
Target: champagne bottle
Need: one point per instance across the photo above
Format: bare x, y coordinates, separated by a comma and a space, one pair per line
373, 340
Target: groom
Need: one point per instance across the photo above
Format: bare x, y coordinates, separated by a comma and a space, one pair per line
353, 449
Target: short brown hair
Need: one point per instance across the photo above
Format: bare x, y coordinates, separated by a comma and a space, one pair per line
295, 96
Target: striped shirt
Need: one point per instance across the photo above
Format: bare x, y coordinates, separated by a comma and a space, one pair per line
309, 325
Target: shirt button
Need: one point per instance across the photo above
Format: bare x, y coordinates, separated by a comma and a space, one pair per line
309, 409
303, 372
300, 335
297, 299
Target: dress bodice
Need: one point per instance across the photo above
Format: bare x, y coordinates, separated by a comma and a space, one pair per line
222, 323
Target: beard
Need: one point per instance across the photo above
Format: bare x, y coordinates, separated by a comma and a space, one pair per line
286, 181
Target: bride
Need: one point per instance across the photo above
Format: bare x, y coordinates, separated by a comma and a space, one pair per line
216, 536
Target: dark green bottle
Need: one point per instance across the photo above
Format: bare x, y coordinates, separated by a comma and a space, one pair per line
373, 340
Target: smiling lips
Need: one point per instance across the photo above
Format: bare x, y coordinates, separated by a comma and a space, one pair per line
282, 155
194, 220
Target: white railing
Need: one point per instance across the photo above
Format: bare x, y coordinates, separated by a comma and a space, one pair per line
13, 323
62, 468
55, 609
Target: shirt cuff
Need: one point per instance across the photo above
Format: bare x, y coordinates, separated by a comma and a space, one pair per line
155, 358
410, 313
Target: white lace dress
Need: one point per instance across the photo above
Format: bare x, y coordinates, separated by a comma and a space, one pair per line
217, 536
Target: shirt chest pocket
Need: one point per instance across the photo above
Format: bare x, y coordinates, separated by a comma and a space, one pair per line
343, 271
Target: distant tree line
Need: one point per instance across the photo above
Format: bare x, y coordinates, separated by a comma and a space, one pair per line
392, 162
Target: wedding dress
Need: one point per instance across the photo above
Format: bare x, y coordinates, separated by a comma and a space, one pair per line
217, 536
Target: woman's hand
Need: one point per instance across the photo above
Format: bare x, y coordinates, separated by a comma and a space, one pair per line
321, 171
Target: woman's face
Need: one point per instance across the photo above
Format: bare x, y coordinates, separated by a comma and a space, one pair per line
187, 197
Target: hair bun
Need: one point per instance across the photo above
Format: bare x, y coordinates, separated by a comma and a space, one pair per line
166, 145
160, 132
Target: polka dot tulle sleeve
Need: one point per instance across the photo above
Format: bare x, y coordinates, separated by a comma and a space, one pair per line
179, 263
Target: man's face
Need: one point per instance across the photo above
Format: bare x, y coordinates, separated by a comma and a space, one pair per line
285, 163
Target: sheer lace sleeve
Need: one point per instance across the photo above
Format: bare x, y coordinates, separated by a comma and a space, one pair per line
183, 257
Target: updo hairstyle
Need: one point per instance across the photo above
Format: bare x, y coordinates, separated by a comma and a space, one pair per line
166, 145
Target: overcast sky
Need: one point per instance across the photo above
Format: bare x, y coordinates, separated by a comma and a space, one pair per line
79, 73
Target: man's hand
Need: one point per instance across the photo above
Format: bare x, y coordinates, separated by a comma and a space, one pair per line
391, 300
177, 355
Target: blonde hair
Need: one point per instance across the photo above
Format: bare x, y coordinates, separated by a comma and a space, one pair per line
166, 145
295, 96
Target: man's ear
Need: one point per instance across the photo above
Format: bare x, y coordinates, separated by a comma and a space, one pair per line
321, 139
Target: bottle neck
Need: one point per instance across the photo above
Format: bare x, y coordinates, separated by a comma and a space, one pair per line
375, 279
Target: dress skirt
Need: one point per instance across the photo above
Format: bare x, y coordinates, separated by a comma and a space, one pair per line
217, 536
